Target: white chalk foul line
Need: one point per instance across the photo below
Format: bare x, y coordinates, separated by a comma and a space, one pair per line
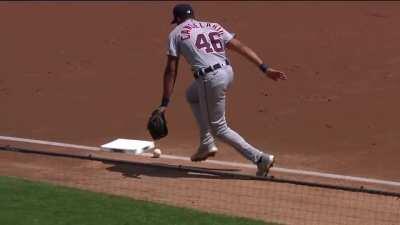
292, 171
234, 164
16, 139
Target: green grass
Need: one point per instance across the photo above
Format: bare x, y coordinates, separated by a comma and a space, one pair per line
31, 203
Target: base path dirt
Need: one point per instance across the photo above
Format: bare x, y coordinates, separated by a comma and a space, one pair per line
87, 73
270, 201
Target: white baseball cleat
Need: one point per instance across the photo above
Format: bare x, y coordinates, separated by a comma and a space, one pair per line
203, 154
265, 163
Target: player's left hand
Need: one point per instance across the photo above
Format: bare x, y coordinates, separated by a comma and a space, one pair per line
276, 74
157, 124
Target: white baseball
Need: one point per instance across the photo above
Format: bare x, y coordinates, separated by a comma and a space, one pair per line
156, 153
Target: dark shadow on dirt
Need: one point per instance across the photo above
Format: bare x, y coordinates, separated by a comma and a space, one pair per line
135, 170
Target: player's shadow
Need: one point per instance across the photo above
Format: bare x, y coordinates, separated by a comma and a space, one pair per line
136, 170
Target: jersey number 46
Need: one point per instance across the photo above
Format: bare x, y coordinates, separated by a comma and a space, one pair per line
213, 38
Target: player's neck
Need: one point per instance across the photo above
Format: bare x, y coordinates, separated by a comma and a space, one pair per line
186, 20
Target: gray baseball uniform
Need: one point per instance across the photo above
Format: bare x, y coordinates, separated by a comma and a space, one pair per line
203, 45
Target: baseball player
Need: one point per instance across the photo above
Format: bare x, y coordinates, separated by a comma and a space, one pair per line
203, 45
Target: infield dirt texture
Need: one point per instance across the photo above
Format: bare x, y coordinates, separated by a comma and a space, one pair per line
87, 73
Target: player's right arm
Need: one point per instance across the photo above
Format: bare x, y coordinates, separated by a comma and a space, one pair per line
170, 74
170, 71
237, 46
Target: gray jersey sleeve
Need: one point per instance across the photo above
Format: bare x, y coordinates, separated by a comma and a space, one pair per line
173, 48
225, 35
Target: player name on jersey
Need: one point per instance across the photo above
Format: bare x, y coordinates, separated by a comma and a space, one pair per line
186, 30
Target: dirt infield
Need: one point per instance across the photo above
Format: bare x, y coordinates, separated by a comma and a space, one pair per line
270, 201
87, 73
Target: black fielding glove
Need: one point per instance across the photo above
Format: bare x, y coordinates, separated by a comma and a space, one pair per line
157, 125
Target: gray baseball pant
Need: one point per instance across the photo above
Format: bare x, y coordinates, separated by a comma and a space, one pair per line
207, 96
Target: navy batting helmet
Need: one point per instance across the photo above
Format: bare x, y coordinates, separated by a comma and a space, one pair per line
182, 11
